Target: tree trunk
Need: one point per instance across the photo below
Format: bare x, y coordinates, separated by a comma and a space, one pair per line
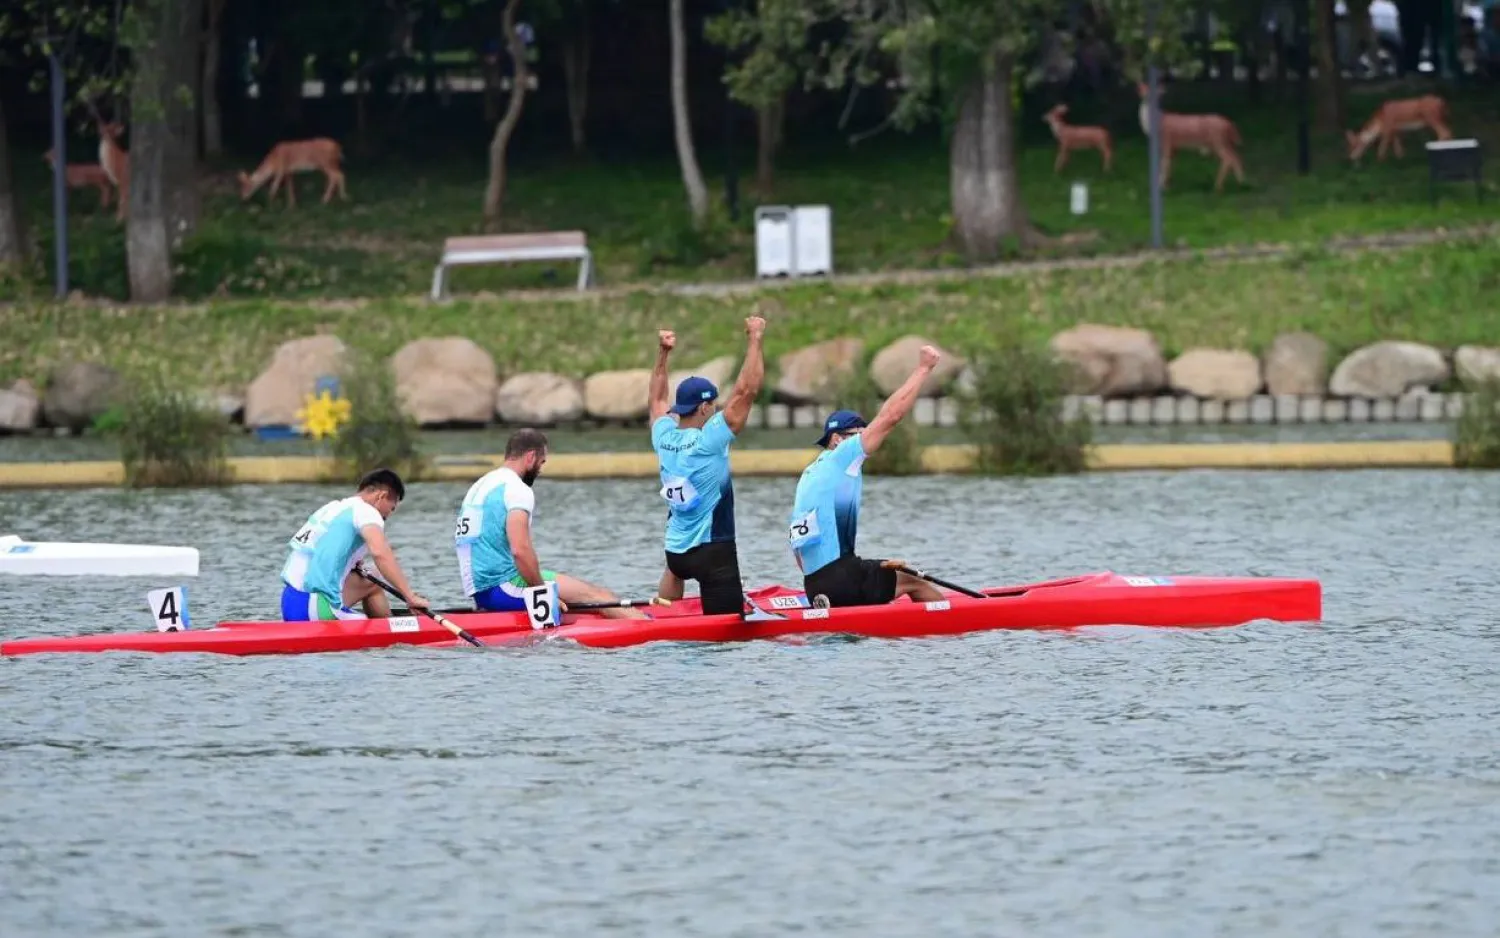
12, 231
982, 176
208, 83
577, 50
1330, 93
692, 174
494, 193
771, 121
163, 143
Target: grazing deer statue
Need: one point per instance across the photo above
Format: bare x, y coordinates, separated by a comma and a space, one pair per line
84, 176
1393, 118
297, 156
1077, 137
1206, 133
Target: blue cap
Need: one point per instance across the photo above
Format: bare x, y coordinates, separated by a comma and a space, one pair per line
838, 422
692, 393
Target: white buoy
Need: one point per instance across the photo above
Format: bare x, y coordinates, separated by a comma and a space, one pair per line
62, 558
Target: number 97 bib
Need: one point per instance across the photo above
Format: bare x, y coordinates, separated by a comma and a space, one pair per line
804, 531
679, 493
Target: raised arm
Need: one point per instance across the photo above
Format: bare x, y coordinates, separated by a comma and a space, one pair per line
660, 403
898, 405
752, 375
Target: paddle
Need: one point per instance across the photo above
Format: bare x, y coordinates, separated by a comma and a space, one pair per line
901, 567
619, 604
435, 616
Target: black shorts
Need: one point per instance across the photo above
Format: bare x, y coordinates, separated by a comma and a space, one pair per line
716, 567
852, 581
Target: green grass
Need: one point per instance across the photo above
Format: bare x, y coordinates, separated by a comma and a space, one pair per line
889, 196
1442, 294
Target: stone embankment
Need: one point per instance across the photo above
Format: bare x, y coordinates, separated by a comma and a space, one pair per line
1121, 377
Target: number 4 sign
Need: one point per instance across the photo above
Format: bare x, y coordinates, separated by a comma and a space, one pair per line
170, 609
542, 607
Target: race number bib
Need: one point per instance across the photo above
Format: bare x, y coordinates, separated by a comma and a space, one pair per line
169, 609
679, 492
804, 531
470, 521
542, 607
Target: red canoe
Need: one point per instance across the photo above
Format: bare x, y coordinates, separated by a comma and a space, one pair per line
1095, 599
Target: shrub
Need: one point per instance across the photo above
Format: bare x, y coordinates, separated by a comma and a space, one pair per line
1013, 413
379, 432
168, 436
901, 453
1476, 434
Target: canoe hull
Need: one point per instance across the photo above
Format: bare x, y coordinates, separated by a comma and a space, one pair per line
1092, 600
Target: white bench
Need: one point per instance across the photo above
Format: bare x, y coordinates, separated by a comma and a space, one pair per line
504, 249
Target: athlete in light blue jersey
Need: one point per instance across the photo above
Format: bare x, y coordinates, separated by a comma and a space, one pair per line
692, 439
825, 516
496, 559
320, 578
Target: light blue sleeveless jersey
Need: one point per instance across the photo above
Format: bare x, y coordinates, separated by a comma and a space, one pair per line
480, 538
695, 481
825, 515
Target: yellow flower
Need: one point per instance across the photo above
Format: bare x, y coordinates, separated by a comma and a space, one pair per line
322, 415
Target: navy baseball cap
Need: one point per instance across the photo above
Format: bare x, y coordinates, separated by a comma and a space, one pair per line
692, 393
838, 422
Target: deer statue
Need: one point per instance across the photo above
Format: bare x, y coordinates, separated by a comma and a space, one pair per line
1206, 133
1395, 116
1077, 137
297, 156
84, 176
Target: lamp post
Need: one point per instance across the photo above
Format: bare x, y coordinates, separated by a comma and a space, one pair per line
59, 171
1153, 109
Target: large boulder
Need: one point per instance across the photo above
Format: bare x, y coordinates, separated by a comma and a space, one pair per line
539, 399
1215, 373
1388, 369
718, 370
19, 407
813, 375
1297, 363
79, 393
893, 364
1476, 364
446, 381
276, 395
618, 395
1112, 361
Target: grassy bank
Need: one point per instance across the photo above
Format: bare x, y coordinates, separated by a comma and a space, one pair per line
889, 196
1442, 294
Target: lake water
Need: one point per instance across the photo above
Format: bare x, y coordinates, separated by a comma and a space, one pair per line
1272, 779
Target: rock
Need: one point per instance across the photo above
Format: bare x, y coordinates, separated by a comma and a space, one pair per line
718, 370
19, 408
813, 375
1388, 369
1476, 364
1215, 373
1297, 363
893, 364
539, 398
446, 381
79, 393
617, 395
276, 395
1112, 361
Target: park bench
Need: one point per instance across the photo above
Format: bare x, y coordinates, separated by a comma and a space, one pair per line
510, 248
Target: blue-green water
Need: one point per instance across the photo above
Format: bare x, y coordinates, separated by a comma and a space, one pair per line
1273, 779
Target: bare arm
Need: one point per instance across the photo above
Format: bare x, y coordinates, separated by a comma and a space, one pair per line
752, 376
385, 562
898, 405
518, 529
658, 393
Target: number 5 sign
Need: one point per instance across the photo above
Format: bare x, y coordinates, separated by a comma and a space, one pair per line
542, 607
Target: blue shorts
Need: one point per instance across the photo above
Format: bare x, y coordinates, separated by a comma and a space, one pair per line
507, 596
297, 606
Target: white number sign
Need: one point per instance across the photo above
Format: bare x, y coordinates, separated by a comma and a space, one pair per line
169, 608
678, 492
542, 607
804, 530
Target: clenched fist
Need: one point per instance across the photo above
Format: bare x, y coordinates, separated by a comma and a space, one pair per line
755, 326
929, 357
666, 339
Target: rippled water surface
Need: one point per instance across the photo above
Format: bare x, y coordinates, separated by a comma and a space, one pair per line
1272, 779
